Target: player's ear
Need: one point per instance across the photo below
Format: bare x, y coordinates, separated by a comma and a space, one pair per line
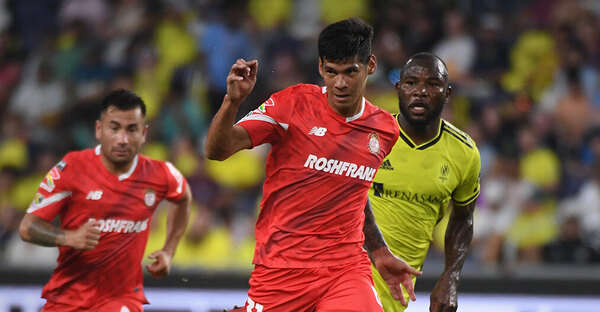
321, 68
98, 129
372, 64
144, 134
448, 93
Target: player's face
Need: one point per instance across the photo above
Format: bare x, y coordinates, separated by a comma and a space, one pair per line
422, 91
121, 133
346, 83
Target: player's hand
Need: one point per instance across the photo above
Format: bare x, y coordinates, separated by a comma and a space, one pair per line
84, 238
443, 297
161, 266
241, 79
396, 272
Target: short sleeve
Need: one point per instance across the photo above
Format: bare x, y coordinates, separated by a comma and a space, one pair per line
177, 184
270, 121
469, 189
53, 193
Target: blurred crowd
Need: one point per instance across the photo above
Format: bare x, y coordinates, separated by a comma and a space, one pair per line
525, 76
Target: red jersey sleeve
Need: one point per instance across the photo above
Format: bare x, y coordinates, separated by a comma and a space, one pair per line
177, 183
270, 121
53, 193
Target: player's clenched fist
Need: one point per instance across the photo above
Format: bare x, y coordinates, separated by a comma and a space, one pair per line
84, 238
241, 79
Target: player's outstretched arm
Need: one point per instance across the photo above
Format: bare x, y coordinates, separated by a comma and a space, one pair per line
223, 138
456, 246
395, 271
38, 231
177, 221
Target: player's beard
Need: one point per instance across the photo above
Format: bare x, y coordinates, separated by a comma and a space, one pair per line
121, 161
430, 116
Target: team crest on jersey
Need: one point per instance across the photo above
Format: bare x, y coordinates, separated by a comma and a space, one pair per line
263, 106
149, 197
373, 144
444, 172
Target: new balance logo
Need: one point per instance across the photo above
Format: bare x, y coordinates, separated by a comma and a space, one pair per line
94, 195
317, 131
386, 165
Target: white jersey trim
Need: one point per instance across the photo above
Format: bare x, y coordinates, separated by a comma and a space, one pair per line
49, 201
360, 113
266, 118
129, 172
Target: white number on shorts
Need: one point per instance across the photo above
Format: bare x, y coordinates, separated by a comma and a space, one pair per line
252, 304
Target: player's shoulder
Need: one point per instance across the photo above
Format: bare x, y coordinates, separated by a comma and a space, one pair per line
461, 138
158, 167
298, 92
75, 158
382, 117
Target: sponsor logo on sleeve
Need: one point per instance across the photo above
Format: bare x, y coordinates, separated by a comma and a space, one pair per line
61, 165
267, 103
48, 184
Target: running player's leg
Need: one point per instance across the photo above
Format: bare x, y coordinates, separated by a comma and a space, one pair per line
351, 290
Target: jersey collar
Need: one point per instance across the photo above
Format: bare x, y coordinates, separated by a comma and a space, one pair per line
425, 145
360, 112
126, 174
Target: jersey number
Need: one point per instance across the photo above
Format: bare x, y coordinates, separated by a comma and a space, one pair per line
253, 305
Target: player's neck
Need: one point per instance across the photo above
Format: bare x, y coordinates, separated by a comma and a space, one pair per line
420, 133
116, 168
347, 111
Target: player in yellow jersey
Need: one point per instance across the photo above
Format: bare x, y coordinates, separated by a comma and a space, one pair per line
432, 164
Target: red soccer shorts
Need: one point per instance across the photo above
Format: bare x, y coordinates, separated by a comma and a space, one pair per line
122, 304
341, 288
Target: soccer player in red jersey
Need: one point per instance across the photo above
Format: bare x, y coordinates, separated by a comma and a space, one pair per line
105, 198
326, 145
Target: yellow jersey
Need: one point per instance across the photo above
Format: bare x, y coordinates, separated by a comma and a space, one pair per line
412, 189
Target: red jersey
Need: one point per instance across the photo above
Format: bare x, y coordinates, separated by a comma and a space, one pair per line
318, 172
80, 188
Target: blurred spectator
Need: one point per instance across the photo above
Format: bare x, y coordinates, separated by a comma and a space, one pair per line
569, 247
532, 65
502, 196
270, 14
35, 21
457, 48
224, 40
10, 68
39, 102
93, 12
585, 206
538, 164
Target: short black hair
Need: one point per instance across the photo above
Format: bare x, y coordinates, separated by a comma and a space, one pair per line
346, 39
426, 56
123, 100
